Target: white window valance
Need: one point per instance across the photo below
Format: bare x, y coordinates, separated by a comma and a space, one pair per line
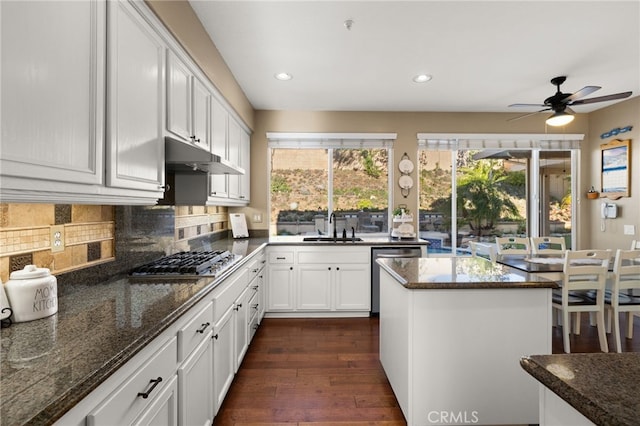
460, 141
330, 140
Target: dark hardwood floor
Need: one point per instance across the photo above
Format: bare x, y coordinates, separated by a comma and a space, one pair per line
326, 372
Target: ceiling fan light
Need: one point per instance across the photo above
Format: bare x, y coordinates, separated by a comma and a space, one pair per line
559, 119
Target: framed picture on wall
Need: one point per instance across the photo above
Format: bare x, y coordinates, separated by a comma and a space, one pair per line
616, 169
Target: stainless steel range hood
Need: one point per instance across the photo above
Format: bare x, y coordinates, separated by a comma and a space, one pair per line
180, 157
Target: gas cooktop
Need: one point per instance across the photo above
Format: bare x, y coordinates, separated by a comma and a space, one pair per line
188, 264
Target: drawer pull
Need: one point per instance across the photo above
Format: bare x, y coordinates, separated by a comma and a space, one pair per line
280, 258
255, 287
155, 383
215, 336
255, 306
238, 306
204, 327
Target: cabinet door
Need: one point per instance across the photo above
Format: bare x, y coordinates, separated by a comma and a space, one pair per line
163, 411
223, 357
201, 107
178, 97
245, 163
241, 315
352, 287
195, 382
219, 117
235, 142
314, 287
135, 143
281, 291
52, 81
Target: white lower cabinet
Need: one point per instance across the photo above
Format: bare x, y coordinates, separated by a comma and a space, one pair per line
331, 280
223, 357
163, 411
241, 315
195, 374
137, 395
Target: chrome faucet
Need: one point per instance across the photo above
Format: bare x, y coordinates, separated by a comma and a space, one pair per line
335, 225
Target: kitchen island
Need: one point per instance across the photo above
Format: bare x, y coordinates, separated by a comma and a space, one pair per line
452, 332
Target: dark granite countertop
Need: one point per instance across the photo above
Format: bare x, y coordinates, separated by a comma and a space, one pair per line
47, 366
605, 388
460, 273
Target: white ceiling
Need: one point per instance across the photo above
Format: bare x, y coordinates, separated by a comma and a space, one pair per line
483, 55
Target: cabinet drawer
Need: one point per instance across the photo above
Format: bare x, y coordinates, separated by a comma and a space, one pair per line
228, 292
254, 306
194, 331
127, 403
281, 257
332, 256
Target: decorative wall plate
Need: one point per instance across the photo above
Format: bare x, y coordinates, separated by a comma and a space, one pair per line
405, 182
405, 166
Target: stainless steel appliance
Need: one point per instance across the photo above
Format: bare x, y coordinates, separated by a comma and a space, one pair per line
188, 264
386, 252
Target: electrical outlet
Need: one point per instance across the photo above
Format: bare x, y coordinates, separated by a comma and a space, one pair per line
629, 230
57, 238
257, 218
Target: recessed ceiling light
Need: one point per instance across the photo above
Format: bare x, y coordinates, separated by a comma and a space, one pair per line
422, 78
283, 76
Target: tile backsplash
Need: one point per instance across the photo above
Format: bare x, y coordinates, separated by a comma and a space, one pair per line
94, 235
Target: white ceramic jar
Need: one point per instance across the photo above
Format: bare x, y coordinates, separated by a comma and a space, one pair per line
32, 293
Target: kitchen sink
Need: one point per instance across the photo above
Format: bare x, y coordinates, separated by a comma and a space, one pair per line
332, 240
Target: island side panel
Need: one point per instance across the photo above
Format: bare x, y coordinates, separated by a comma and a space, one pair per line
394, 337
554, 411
466, 349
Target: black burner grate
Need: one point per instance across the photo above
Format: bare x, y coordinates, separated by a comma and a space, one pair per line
185, 263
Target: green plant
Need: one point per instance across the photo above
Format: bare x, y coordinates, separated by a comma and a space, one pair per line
369, 166
280, 184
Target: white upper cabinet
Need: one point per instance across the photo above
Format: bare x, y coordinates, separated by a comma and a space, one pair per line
188, 103
219, 118
52, 90
56, 145
136, 101
235, 140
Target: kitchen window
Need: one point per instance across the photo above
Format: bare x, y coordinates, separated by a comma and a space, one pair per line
511, 185
313, 176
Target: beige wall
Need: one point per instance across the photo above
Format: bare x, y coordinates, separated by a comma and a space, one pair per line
406, 124
182, 22
623, 114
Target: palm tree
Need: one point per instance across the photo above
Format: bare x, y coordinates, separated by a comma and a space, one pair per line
481, 199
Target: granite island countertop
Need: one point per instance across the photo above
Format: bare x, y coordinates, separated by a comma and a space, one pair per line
48, 365
604, 387
460, 273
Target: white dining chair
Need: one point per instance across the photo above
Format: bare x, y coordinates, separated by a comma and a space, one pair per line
512, 246
621, 299
583, 271
485, 250
553, 246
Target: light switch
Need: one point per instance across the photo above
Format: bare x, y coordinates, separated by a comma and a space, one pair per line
257, 218
57, 238
629, 230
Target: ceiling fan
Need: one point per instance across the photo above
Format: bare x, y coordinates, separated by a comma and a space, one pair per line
560, 103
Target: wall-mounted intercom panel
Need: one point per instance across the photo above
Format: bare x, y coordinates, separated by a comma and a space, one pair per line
609, 210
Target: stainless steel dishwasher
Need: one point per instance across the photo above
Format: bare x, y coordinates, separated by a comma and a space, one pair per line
386, 252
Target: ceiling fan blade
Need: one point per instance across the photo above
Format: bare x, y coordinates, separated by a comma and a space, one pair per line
527, 105
527, 115
601, 98
586, 90
569, 110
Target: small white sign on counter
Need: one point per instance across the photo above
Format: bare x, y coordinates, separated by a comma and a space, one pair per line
239, 225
